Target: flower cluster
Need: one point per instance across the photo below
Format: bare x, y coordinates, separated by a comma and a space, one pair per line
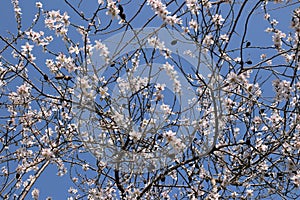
166, 109
26, 51
39, 5
58, 22
236, 80
158, 93
22, 95
193, 24
171, 138
192, 6
277, 38
161, 10
17, 11
173, 75
74, 49
135, 61
103, 92
62, 61
103, 50
157, 44
217, 19
112, 8
296, 179
35, 194
47, 153
224, 37
207, 42
85, 86
38, 37
283, 89
206, 3
131, 85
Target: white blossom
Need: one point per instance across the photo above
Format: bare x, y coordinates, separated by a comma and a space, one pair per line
35, 193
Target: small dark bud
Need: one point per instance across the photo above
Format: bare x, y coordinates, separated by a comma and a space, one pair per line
159, 137
261, 111
248, 142
46, 77
174, 42
249, 62
172, 156
280, 175
17, 175
248, 44
123, 16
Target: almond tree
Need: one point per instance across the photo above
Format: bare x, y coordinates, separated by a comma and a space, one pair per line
152, 99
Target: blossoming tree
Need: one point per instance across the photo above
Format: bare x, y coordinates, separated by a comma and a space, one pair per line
151, 99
